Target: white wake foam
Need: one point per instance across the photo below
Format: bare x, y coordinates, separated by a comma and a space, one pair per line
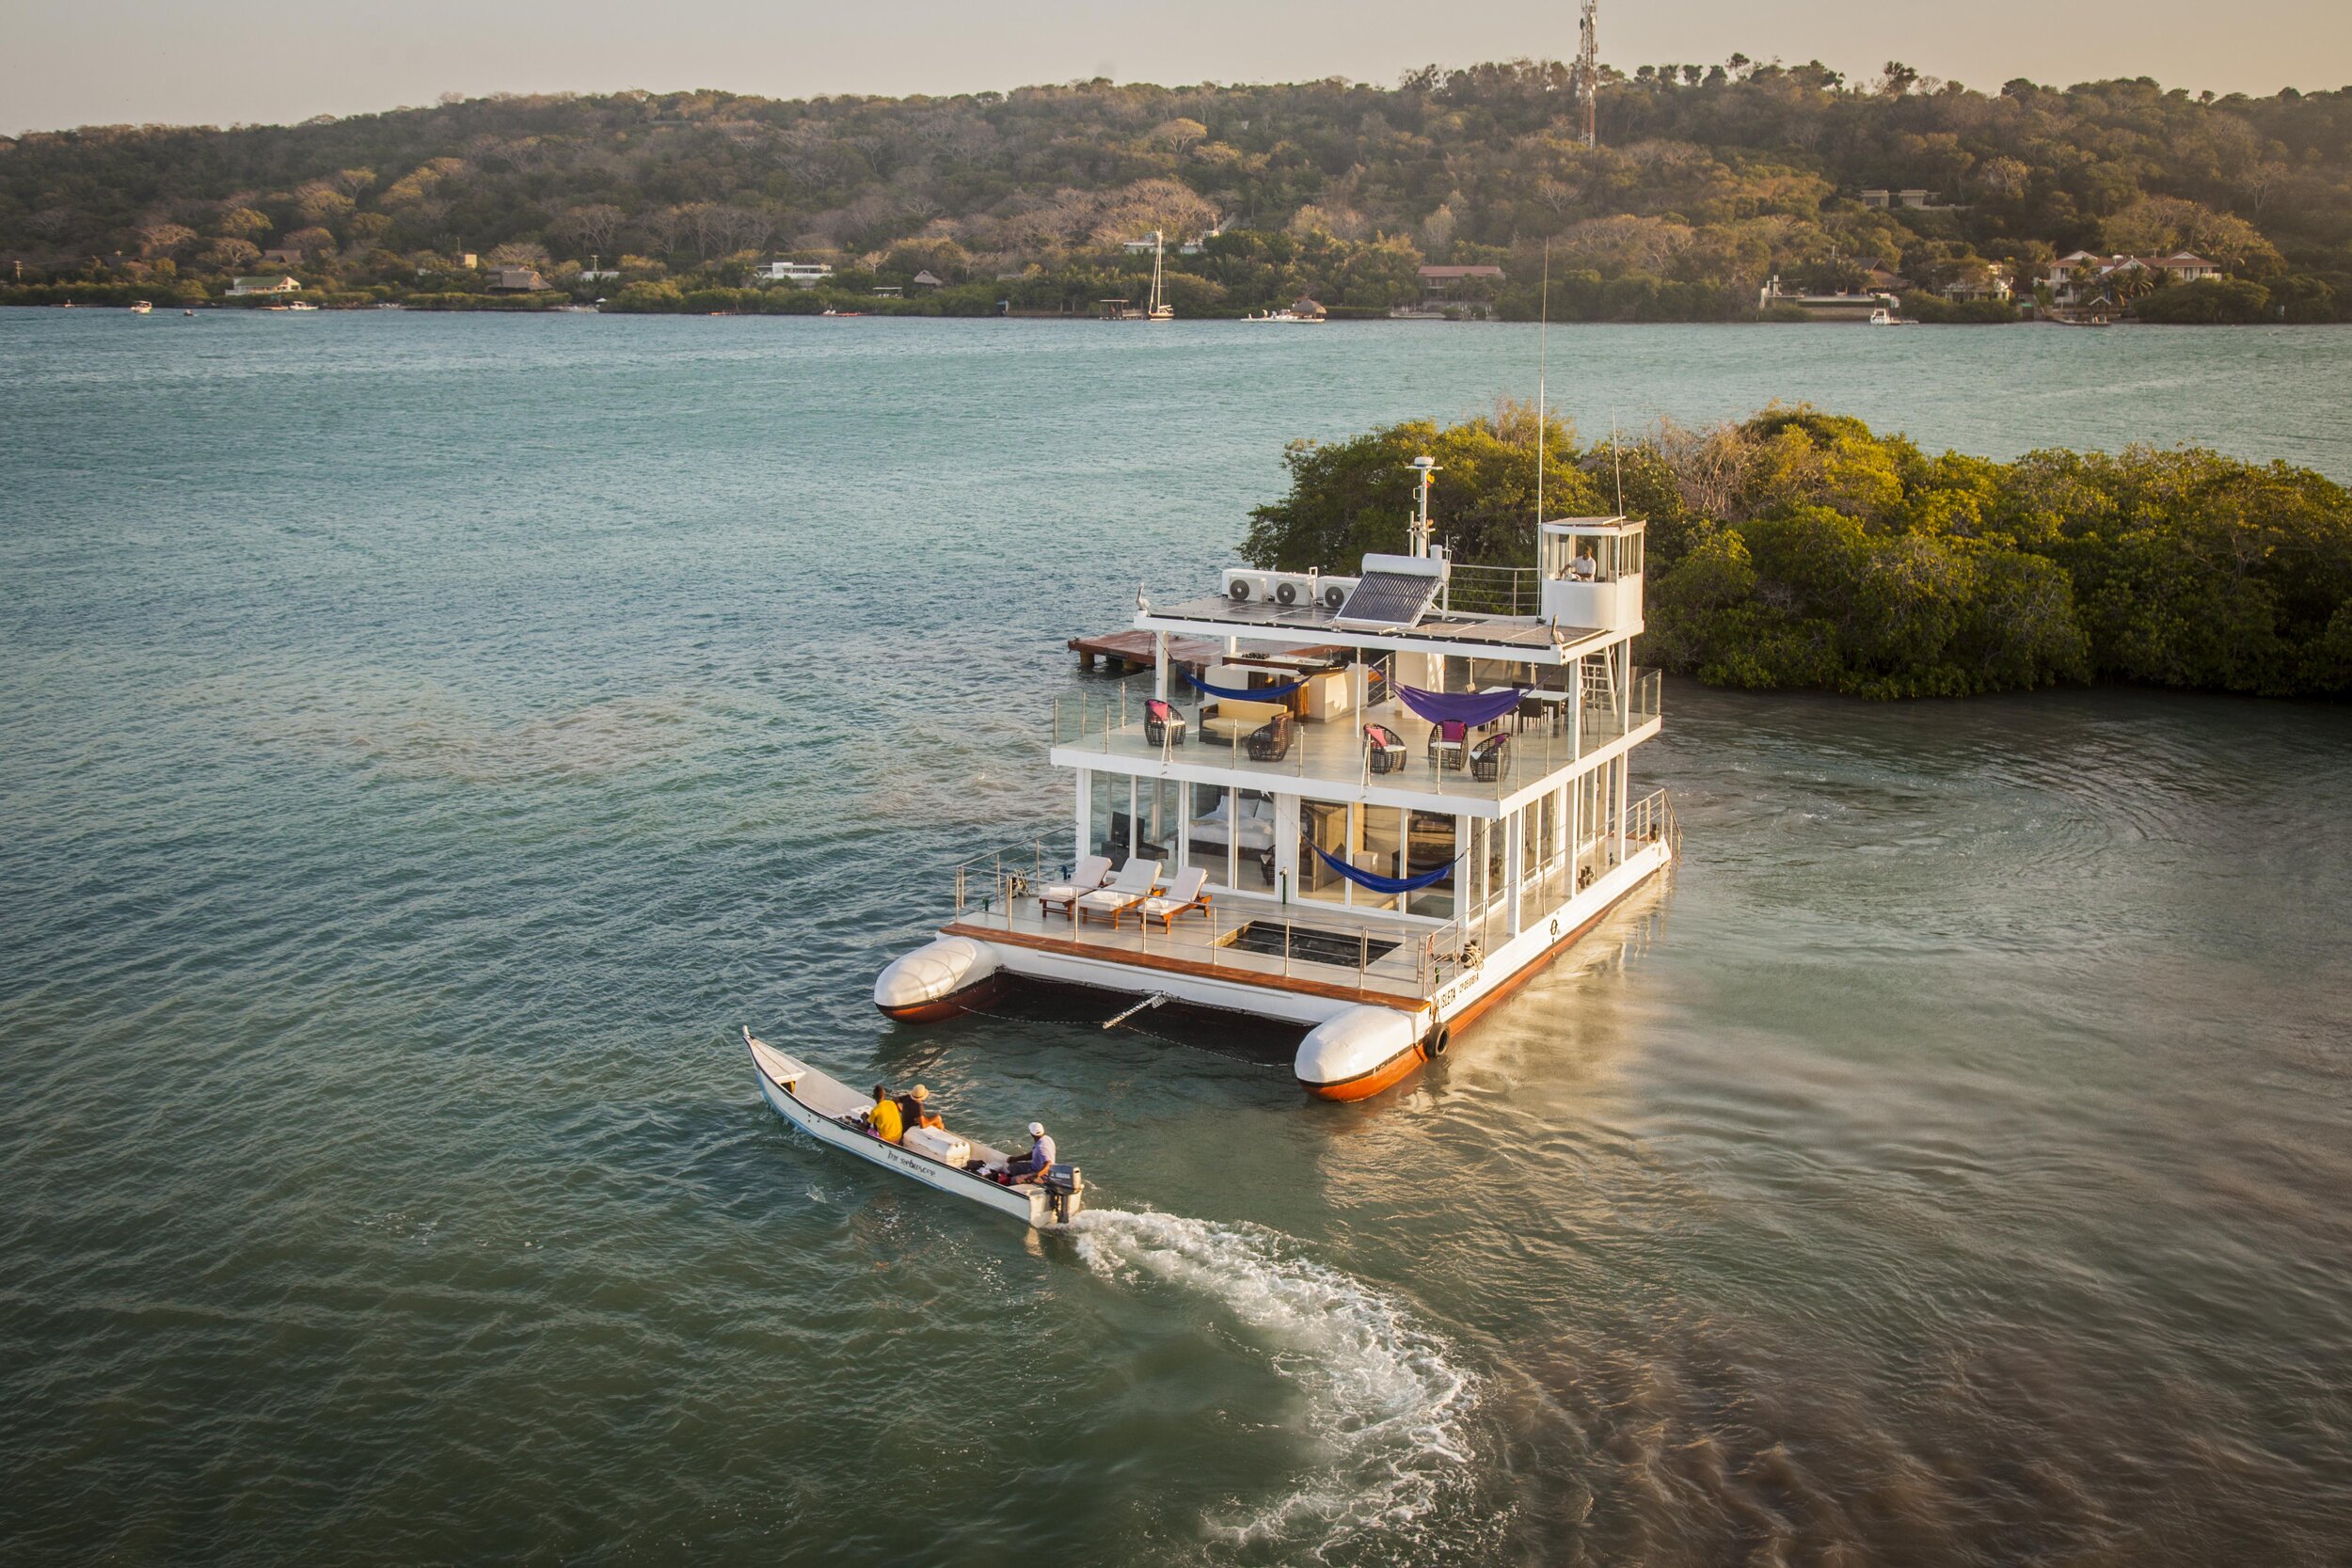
1386, 1404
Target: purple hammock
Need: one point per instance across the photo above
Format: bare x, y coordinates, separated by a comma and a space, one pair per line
1249, 694
1386, 884
1460, 707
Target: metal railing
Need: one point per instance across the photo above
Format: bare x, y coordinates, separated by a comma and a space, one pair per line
1492, 591
1550, 736
1651, 820
992, 879
998, 892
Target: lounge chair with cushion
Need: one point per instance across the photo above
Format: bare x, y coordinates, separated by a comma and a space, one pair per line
1381, 745
1131, 886
1447, 742
1185, 892
1271, 740
1084, 877
1487, 759
1227, 720
1162, 724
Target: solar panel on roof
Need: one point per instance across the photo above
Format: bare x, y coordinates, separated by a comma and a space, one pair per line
1387, 599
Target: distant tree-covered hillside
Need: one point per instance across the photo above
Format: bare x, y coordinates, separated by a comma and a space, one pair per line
1709, 179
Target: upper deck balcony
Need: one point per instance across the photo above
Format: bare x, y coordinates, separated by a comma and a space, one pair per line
1328, 758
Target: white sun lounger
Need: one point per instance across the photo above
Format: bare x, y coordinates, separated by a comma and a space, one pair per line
1131, 886
1084, 877
1183, 894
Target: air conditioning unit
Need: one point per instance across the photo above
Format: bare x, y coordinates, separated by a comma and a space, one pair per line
1292, 589
1331, 593
1247, 586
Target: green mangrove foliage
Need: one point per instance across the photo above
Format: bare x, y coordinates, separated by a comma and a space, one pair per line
1803, 549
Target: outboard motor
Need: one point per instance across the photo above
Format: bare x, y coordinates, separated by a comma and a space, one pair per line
1064, 1192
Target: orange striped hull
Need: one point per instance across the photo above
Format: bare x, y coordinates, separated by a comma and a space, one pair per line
1364, 1085
945, 1006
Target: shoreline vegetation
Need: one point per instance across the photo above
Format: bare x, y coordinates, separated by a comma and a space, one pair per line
1708, 182
1802, 550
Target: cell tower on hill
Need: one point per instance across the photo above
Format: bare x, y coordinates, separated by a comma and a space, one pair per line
1588, 70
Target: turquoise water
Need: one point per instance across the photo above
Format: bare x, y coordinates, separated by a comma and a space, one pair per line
423, 741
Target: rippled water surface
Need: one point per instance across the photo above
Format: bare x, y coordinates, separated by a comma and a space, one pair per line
424, 742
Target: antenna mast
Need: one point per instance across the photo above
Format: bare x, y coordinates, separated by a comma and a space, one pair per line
1588, 69
1616, 464
1543, 344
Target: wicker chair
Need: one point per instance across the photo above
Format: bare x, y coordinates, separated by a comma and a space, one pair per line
1271, 740
1487, 759
1382, 748
1448, 740
1162, 724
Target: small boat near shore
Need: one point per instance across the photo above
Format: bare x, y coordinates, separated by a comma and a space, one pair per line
830, 1112
141, 307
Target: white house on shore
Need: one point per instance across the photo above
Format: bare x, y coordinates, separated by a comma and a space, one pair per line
280, 285
801, 275
1983, 281
2081, 274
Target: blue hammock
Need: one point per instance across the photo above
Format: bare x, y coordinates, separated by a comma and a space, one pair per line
1460, 707
1249, 694
1386, 884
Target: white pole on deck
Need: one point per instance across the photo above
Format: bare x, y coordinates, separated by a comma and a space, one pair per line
1543, 346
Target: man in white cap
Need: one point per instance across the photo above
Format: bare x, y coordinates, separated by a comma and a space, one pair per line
1031, 1166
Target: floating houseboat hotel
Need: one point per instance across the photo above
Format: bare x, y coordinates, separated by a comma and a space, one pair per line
1398, 795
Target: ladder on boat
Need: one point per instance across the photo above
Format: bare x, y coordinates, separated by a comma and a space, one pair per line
1598, 682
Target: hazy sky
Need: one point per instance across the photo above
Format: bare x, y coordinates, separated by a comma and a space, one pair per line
186, 62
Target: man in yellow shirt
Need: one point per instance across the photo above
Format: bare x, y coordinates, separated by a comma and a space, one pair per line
883, 1119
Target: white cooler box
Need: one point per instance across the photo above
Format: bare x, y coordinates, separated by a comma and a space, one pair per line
932, 1142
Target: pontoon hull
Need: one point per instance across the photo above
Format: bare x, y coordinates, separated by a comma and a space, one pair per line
1360, 1053
938, 980
1382, 1079
954, 1006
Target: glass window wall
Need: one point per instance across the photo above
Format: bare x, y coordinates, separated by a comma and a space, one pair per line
1111, 817
1432, 840
1209, 832
1253, 840
1330, 827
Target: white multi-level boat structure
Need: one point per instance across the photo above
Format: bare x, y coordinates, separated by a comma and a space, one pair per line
1396, 796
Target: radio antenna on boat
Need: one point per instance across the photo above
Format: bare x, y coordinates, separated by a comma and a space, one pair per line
1543, 344
1616, 463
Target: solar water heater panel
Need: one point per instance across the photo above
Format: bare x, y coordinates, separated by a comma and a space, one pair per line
1389, 599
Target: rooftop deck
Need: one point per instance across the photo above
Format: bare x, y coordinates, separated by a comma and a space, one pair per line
1522, 637
1327, 757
